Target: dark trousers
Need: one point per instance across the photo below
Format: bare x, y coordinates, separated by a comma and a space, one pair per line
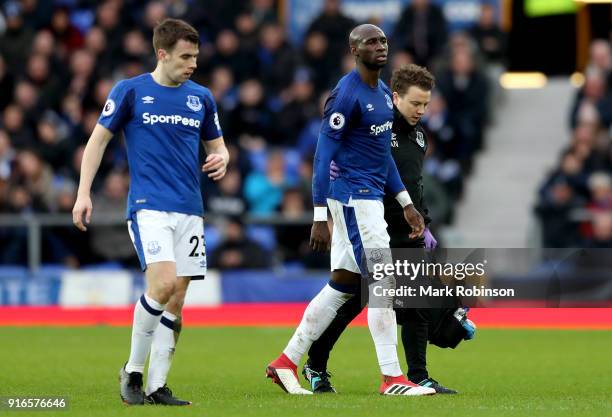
415, 329
415, 325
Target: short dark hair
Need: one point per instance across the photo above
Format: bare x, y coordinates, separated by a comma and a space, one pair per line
170, 31
411, 75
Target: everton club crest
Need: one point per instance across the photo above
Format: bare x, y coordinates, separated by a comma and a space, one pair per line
193, 102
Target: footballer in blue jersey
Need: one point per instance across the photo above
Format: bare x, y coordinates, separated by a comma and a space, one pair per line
355, 132
359, 117
163, 116
163, 127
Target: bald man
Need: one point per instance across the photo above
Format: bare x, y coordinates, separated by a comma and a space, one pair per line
356, 133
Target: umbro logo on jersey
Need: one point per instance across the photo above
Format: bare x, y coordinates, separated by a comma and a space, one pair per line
148, 100
369, 107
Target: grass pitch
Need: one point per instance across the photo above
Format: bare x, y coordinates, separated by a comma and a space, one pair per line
501, 373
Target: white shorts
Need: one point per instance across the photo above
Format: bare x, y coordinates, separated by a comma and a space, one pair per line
358, 225
168, 236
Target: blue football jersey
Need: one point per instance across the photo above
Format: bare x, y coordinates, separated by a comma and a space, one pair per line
361, 117
162, 127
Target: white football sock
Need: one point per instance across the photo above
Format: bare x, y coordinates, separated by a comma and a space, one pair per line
317, 316
162, 351
147, 315
383, 328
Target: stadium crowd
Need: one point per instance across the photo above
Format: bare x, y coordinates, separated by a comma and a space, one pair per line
575, 200
59, 60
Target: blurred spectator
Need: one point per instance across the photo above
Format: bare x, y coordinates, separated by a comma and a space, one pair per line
36, 14
557, 200
200, 17
276, 58
222, 86
572, 170
246, 27
230, 54
465, 91
20, 201
137, 48
305, 181
577, 195
398, 59
600, 58
37, 176
308, 137
95, 42
53, 144
7, 84
100, 92
66, 243
293, 239
68, 36
263, 11
109, 20
82, 67
440, 163
252, 115
602, 231
600, 187
13, 122
335, 26
26, 97
439, 201
48, 85
154, 12
491, 40
264, 191
75, 165
72, 113
582, 144
15, 240
592, 102
300, 107
44, 44
16, 40
229, 200
421, 30
317, 58
112, 243
7, 156
238, 251
459, 42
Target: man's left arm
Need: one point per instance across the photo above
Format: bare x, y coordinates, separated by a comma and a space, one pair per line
217, 158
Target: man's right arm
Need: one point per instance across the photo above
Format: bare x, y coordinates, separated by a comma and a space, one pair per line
339, 107
92, 156
327, 148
